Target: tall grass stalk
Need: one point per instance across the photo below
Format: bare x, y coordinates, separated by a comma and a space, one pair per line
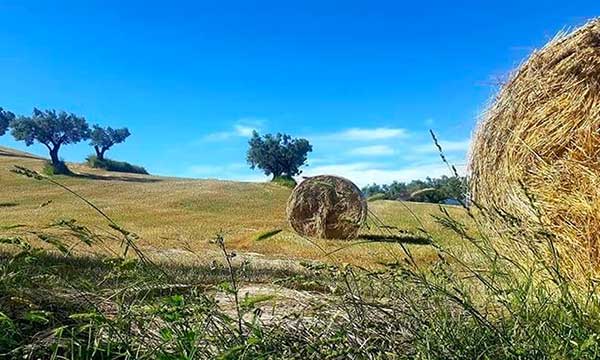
478, 301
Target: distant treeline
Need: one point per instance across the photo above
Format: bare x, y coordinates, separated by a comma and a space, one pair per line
431, 190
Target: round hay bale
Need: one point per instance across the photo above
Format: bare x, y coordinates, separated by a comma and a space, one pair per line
537, 149
328, 207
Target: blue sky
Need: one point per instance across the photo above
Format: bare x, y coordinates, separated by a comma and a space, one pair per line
363, 81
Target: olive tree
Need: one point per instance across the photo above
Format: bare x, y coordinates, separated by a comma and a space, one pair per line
277, 155
102, 139
51, 129
6, 117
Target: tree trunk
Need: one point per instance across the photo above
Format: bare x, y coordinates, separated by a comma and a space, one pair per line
54, 156
99, 154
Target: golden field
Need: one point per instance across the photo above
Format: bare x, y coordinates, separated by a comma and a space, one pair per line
174, 215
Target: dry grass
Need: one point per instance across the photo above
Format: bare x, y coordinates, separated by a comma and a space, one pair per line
539, 144
172, 214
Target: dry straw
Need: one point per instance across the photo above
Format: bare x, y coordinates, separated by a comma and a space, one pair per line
329, 207
539, 142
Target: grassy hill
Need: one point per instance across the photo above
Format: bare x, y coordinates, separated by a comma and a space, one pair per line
197, 298
173, 214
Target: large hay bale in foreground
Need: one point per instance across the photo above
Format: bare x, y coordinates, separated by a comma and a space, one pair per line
328, 207
539, 142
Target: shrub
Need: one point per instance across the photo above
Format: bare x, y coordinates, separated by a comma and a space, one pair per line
286, 181
112, 165
59, 168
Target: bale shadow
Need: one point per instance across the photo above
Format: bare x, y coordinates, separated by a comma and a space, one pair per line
405, 238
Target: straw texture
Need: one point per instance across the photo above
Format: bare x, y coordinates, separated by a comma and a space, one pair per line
536, 152
327, 207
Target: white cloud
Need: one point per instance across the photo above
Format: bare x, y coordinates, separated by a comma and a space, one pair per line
447, 146
375, 150
364, 173
361, 134
218, 136
340, 153
242, 128
371, 134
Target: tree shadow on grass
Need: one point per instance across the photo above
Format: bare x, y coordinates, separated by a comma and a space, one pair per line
8, 204
89, 267
115, 178
123, 177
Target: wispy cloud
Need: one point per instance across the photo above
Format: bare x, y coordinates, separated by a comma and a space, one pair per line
382, 133
375, 150
242, 128
361, 134
362, 154
364, 173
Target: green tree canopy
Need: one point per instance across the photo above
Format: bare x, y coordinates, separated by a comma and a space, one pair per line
102, 139
6, 117
277, 155
432, 190
51, 129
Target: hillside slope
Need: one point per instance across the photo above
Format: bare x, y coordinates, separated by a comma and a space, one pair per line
171, 214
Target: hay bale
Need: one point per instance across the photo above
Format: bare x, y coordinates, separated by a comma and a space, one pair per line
540, 140
329, 207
